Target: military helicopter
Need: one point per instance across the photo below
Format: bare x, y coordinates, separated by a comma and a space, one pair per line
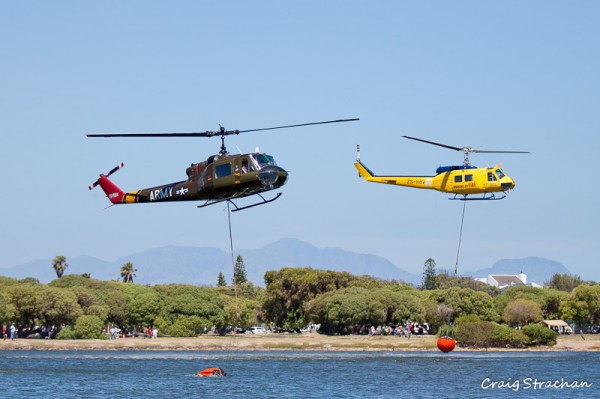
222, 177
461, 180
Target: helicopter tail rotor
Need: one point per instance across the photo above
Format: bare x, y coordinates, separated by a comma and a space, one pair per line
113, 193
113, 170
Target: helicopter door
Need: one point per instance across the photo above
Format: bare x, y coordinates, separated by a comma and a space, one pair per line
224, 177
492, 180
247, 166
237, 170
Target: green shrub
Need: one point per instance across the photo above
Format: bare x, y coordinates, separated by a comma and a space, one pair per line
468, 318
88, 327
503, 335
97, 310
66, 333
486, 334
540, 335
447, 331
188, 326
476, 333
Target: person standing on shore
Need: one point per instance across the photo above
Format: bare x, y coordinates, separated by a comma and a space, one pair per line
4, 331
12, 331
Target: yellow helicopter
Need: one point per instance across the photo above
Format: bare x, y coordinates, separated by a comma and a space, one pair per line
460, 180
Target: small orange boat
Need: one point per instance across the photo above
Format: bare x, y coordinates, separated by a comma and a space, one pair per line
212, 372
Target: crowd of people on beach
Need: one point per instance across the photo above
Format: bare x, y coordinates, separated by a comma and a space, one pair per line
44, 332
407, 329
113, 332
10, 331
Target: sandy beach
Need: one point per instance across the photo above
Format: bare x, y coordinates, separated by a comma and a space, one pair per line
312, 341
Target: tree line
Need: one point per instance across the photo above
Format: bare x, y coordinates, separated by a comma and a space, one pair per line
59, 264
292, 298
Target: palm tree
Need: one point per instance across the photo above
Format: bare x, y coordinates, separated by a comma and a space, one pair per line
128, 272
59, 264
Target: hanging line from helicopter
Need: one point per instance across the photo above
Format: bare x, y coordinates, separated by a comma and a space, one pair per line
237, 307
462, 220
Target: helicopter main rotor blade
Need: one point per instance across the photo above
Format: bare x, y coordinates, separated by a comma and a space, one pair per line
221, 132
199, 134
434, 143
466, 149
302, 124
501, 152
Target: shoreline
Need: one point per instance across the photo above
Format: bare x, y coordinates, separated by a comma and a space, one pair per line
275, 342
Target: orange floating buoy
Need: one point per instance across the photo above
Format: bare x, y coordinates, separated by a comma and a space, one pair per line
212, 372
446, 344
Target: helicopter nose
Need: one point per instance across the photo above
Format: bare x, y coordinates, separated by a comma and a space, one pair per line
270, 175
508, 185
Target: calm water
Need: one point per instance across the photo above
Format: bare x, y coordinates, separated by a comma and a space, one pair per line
159, 374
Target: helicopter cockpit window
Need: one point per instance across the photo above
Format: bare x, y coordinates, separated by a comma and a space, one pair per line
491, 176
223, 170
263, 159
499, 173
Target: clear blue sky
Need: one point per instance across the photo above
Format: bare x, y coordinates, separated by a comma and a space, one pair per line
507, 75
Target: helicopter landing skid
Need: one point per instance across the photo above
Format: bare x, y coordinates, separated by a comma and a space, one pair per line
237, 208
492, 197
264, 201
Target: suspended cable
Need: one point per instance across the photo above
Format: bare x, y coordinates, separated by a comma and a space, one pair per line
462, 220
237, 308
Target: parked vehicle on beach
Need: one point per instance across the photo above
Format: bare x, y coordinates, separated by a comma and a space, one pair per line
420, 329
256, 330
310, 328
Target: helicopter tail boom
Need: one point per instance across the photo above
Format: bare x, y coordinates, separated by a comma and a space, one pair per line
426, 182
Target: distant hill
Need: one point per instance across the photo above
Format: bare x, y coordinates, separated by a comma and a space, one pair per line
538, 270
201, 265
196, 265
295, 253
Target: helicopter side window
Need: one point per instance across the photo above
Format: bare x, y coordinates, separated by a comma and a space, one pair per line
491, 176
245, 166
468, 177
223, 170
458, 179
499, 173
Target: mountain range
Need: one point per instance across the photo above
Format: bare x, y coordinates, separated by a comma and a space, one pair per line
201, 265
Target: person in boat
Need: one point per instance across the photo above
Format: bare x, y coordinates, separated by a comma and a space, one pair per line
219, 372
212, 372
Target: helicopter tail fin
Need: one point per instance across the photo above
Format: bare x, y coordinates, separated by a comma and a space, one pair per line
363, 171
113, 193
